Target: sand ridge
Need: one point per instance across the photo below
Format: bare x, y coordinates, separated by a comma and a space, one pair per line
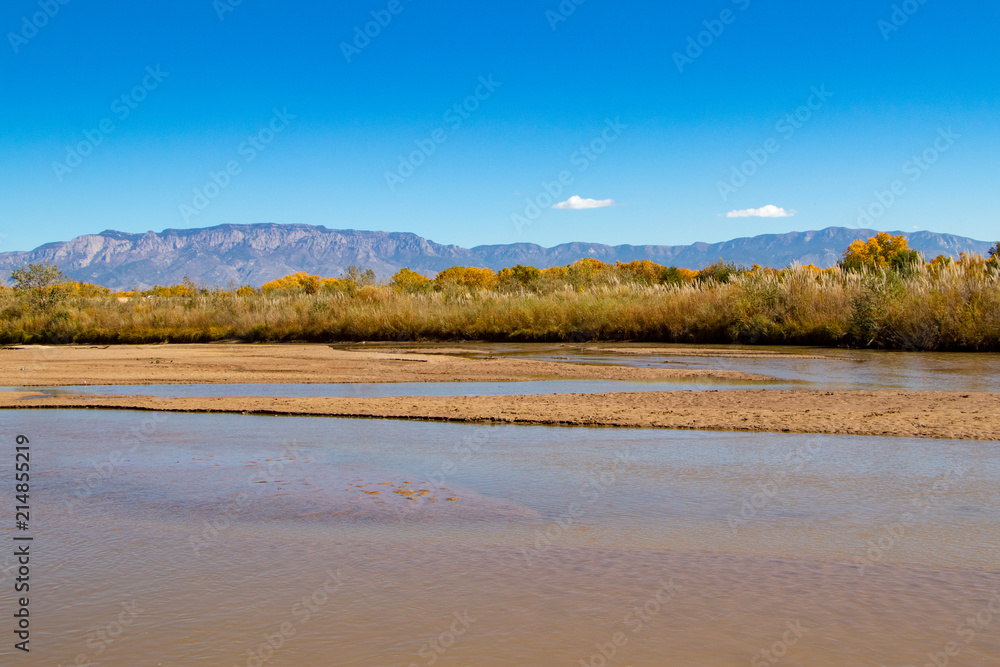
234, 363
972, 416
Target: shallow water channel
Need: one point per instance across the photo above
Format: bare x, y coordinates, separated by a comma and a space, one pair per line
791, 366
183, 539
787, 368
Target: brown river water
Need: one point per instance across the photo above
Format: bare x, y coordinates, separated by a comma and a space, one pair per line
786, 368
790, 367
182, 539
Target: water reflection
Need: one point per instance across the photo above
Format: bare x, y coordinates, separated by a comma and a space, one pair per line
789, 368
821, 368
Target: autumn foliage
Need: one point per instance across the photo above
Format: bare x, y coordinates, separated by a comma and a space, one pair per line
881, 295
299, 282
882, 251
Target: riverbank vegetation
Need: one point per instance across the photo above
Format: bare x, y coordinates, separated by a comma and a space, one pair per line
881, 295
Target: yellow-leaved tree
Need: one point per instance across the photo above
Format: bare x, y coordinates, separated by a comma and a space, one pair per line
882, 251
467, 276
407, 280
294, 282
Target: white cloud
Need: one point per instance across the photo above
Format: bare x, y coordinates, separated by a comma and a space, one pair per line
769, 211
576, 203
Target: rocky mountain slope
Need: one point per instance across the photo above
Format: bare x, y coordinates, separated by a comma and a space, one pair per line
256, 253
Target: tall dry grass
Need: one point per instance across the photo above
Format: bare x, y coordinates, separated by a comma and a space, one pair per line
952, 307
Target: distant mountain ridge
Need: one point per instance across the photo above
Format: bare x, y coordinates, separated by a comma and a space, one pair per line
253, 254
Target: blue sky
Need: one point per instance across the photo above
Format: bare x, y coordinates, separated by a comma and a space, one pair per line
190, 113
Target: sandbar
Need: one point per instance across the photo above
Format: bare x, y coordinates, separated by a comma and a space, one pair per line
923, 414
234, 363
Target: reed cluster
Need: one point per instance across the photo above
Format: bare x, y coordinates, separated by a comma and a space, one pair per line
941, 305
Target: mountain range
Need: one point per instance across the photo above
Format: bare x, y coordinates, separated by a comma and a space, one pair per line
256, 253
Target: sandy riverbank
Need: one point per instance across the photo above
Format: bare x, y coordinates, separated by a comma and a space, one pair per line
35, 366
973, 416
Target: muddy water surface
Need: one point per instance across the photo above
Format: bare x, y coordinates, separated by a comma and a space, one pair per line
172, 539
816, 368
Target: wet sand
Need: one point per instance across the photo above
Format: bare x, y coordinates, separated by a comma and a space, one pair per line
39, 366
851, 412
967, 416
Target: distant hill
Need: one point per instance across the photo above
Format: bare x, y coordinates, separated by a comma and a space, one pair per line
256, 253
